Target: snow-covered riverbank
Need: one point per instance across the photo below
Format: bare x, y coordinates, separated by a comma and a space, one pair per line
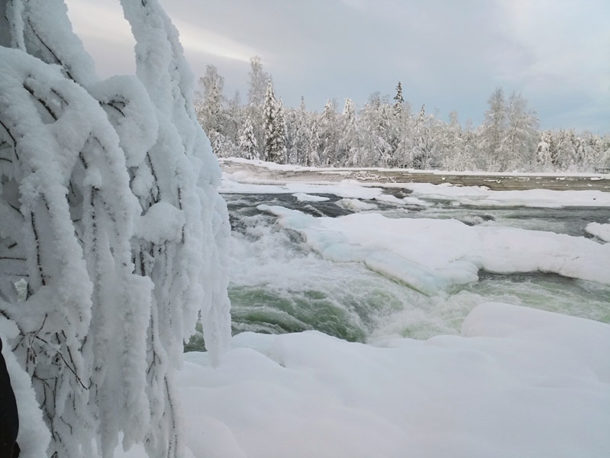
261, 172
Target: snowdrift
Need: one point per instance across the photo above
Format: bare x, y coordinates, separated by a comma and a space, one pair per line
518, 382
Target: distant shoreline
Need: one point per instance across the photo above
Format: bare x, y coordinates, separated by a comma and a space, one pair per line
267, 172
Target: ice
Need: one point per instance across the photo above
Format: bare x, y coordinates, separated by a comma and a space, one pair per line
430, 254
601, 231
302, 197
356, 205
347, 188
480, 195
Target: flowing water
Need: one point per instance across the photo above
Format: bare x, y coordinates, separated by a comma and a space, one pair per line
279, 284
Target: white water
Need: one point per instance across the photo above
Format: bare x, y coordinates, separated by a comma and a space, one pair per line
279, 284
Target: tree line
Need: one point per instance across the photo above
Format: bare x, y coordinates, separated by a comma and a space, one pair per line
386, 132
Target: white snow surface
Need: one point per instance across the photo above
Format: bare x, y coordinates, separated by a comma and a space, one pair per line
372, 170
518, 382
355, 205
432, 254
302, 197
601, 231
481, 195
243, 182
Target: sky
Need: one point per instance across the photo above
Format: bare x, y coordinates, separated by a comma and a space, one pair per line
449, 54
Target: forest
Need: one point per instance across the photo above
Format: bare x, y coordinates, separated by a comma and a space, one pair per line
388, 132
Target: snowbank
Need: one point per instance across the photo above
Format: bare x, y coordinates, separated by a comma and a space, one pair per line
432, 254
482, 196
520, 382
302, 197
601, 231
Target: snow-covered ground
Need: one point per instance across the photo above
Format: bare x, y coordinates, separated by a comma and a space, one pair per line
511, 381
601, 231
517, 383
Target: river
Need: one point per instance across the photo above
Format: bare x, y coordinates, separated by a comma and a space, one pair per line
279, 284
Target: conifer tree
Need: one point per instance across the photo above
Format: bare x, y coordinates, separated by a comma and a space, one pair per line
349, 136
298, 130
328, 134
398, 100
247, 141
274, 127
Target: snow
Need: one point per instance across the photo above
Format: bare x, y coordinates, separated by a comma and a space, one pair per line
355, 205
518, 382
601, 231
334, 170
114, 229
432, 254
350, 189
162, 221
247, 180
34, 436
482, 196
303, 197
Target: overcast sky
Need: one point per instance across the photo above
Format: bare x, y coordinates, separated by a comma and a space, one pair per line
449, 54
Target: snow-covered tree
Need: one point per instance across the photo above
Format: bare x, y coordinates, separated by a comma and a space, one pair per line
454, 152
274, 128
521, 136
399, 100
376, 121
424, 147
493, 132
259, 80
312, 157
544, 152
115, 232
298, 131
247, 141
349, 135
209, 110
328, 134
279, 147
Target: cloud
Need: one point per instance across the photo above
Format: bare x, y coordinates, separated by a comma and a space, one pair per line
103, 20
201, 40
449, 55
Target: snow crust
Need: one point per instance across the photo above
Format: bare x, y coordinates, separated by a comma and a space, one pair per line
303, 197
356, 205
432, 254
601, 231
480, 195
518, 382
